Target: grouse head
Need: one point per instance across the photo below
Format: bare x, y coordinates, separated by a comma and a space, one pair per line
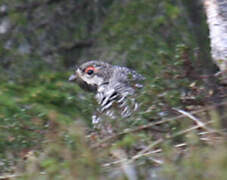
92, 74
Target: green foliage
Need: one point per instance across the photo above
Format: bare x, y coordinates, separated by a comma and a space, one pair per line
200, 163
65, 155
26, 109
47, 120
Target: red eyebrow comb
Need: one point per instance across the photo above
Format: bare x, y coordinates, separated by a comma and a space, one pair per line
89, 68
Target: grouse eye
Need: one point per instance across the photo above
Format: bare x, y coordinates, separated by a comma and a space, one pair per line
90, 70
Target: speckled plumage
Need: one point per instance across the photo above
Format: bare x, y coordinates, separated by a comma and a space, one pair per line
113, 86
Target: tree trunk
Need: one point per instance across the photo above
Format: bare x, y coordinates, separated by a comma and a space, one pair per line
216, 11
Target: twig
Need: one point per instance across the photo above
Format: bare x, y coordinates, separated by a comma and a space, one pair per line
190, 116
187, 130
147, 148
7, 176
127, 131
134, 158
167, 137
159, 141
198, 122
180, 145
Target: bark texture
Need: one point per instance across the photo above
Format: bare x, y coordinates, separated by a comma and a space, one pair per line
216, 11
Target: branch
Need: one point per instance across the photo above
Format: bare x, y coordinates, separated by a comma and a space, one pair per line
190, 116
9, 176
159, 141
147, 126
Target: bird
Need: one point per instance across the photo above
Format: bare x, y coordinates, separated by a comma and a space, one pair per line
114, 86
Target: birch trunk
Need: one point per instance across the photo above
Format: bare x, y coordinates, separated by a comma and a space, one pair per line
216, 11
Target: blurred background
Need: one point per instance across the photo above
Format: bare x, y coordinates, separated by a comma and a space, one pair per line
167, 41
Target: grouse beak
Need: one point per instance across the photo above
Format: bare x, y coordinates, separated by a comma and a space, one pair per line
72, 77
